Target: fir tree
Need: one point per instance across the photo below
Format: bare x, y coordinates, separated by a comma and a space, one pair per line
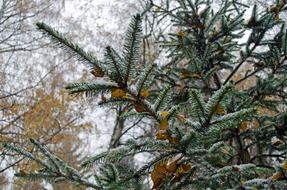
218, 106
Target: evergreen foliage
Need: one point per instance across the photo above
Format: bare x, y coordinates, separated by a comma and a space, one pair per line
220, 118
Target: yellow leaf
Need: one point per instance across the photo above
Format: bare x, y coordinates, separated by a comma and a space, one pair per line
243, 126
277, 176
185, 74
164, 114
160, 167
284, 165
171, 167
144, 93
156, 179
158, 174
118, 93
184, 168
219, 110
173, 140
180, 35
171, 164
163, 125
161, 135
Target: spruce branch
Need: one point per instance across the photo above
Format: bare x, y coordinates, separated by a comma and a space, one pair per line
20, 151
58, 172
113, 59
143, 78
197, 106
161, 99
93, 160
40, 176
91, 88
75, 49
243, 113
216, 99
46, 153
29, 155
132, 46
58, 163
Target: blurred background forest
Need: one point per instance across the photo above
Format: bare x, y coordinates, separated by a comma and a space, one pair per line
34, 72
